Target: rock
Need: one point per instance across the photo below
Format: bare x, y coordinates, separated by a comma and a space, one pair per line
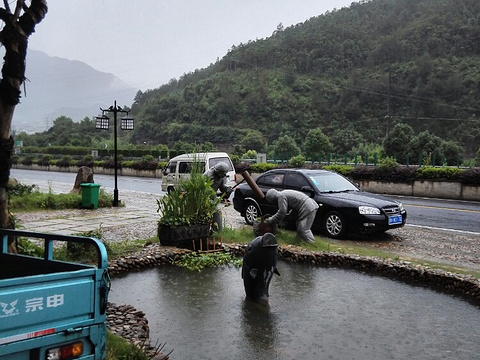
84, 175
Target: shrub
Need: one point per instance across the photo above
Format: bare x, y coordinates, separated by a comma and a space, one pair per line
28, 160
128, 164
45, 160
262, 167
108, 163
400, 174
26, 247
85, 251
147, 159
235, 158
66, 161
19, 189
196, 261
87, 160
250, 154
193, 202
388, 164
145, 165
470, 176
140, 165
120, 348
104, 199
345, 170
434, 173
297, 161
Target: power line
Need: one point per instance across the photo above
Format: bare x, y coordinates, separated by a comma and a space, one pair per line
430, 118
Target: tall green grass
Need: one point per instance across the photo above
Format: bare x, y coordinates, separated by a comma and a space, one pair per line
24, 198
193, 202
120, 349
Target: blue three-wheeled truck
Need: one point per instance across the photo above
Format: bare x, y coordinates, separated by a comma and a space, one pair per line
52, 309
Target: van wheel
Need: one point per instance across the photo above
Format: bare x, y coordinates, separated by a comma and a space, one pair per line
252, 212
170, 189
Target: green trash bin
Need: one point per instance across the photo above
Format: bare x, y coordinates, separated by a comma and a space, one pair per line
90, 195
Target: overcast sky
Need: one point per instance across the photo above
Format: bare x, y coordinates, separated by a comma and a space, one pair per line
148, 42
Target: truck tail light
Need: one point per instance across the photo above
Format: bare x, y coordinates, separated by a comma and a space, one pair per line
66, 352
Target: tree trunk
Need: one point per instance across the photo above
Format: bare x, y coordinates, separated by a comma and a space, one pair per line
18, 26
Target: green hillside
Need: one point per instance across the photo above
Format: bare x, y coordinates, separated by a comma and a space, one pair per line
354, 73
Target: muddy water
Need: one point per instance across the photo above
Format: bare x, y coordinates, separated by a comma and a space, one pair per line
314, 313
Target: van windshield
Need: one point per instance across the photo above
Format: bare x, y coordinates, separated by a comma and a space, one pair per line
214, 161
171, 167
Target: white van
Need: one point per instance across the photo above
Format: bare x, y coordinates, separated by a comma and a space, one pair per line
180, 167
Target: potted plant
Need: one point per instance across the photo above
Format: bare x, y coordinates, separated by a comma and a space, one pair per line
187, 212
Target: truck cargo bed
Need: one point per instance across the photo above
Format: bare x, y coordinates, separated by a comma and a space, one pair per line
14, 266
47, 304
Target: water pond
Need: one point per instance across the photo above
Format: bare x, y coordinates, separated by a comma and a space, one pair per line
314, 313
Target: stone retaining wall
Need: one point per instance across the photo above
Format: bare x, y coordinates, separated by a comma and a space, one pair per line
131, 324
423, 188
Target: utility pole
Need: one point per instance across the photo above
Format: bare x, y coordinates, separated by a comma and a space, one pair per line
387, 117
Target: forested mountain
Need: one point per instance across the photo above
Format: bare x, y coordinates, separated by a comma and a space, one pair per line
354, 73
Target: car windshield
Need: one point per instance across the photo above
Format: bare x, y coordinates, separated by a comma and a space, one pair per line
331, 182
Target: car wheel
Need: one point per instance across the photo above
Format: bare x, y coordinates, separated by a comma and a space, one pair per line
252, 212
335, 225
170, 189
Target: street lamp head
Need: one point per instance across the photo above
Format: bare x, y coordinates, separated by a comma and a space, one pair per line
126, 123
102, 122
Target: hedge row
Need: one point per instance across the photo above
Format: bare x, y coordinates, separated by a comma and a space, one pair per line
80, 151
402, 174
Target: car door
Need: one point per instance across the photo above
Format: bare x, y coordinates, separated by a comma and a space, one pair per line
295, 181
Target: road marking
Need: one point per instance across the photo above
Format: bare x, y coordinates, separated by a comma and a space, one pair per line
441, 208
443, 229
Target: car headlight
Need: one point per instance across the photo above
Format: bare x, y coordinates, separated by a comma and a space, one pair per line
368, 210
400, 207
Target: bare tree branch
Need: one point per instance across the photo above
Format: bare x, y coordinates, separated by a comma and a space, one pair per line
7, 6
33, 16
18, 9
4, 14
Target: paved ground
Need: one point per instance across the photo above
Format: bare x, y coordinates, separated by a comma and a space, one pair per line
136, 220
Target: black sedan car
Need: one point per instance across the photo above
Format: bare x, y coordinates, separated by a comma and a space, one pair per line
344, 208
